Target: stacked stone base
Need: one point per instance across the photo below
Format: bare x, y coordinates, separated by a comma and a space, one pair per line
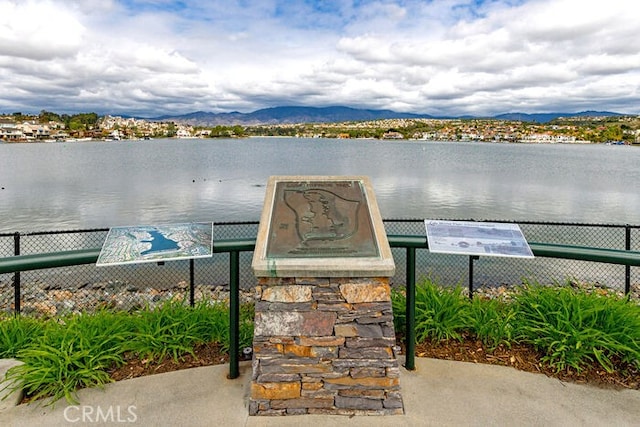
324, 346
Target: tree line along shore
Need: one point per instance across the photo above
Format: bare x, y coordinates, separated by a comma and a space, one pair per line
50, 127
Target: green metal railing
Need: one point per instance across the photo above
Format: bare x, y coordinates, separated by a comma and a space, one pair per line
411, 243
18, 263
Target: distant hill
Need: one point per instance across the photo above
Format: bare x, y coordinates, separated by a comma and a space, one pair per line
287, 115
293, 114
547, 117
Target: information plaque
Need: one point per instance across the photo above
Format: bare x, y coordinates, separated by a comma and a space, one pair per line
150, 243
320, 219
477, 238
314, 224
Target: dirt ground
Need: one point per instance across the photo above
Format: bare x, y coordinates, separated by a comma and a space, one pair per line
525, 358
519, 357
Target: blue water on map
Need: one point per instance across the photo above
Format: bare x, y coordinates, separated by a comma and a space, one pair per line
159, 243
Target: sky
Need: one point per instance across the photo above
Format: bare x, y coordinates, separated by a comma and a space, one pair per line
440, 57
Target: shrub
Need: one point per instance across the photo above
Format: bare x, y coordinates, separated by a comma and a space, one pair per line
16, 332
573, 327
174, 328
77, 351
165, 330
399, 307
492, 322
441, 313
72, 354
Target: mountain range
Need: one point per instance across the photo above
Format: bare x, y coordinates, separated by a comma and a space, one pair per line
294, 114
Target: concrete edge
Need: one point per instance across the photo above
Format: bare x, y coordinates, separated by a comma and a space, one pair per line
8, 396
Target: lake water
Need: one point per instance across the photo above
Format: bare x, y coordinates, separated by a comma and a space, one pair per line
62, 186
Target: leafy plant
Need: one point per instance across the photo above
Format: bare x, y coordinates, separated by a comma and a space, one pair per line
174, 328
78, 350
72, 354
164, 330
17, 332
573, 327
492, 322
441, 313
247, 315
399, 307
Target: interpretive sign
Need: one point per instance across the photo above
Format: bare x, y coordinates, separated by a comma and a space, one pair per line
477, 238
320, 218
149, 243
316, 218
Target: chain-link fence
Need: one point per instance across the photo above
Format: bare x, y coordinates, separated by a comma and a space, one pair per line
87, 287
497, 271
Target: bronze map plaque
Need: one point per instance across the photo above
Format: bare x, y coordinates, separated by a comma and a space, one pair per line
313, 219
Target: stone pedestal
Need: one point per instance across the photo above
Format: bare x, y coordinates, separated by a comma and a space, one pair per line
324, 341
324, 346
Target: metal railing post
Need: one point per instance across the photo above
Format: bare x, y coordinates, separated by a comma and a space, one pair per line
192, 282
410, 326
16, 276
234, 314
627, 268
471, 259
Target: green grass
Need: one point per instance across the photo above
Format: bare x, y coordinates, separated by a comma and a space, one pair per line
571, 328
492, 322
441, 313
17, 332
167, 330
77, 351
69, 355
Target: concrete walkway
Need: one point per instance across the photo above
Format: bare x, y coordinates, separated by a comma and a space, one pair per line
437, 393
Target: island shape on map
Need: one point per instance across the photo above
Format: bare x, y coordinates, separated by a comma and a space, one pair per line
321, 219
150, 243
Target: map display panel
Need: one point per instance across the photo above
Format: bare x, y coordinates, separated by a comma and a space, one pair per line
477, 238
313, 219
149, 243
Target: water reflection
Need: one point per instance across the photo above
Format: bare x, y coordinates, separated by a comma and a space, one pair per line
63, 186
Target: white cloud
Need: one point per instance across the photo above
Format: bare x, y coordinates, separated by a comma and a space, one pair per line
38, 30
455, 56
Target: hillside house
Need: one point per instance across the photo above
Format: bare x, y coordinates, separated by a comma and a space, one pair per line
9, 131
33, 131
